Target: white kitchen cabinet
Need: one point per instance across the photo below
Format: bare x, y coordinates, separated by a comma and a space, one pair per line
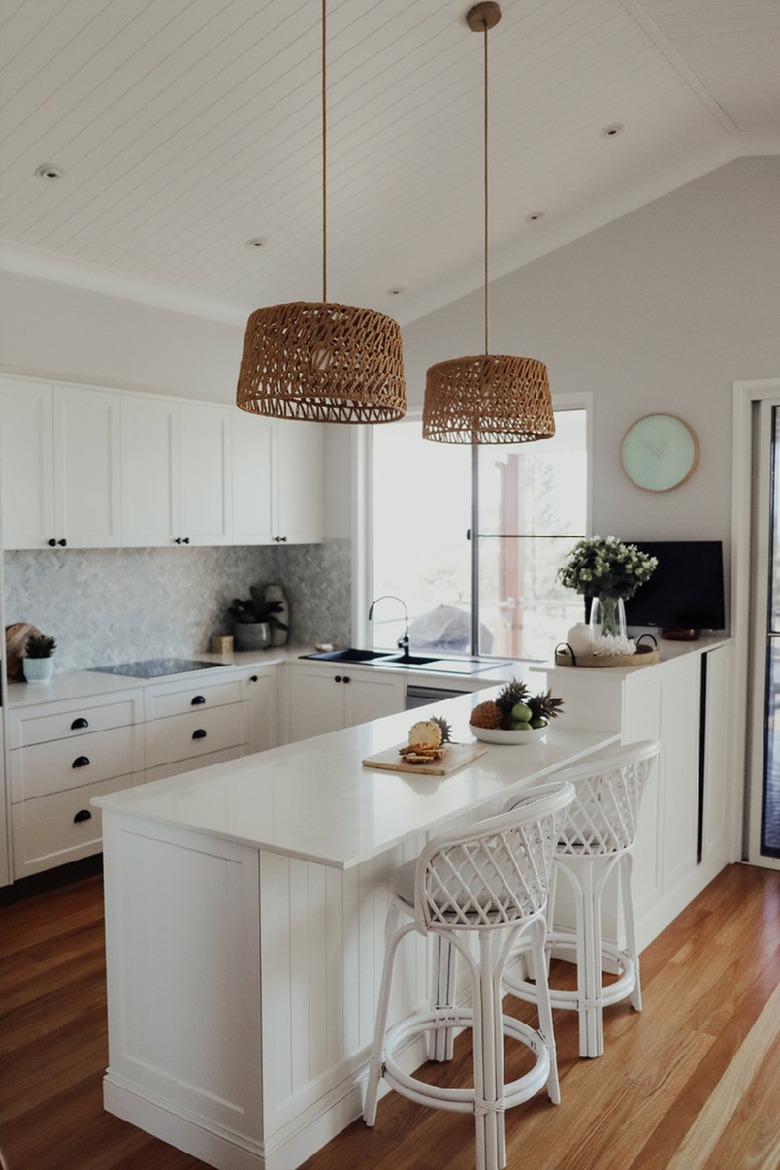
262, 708
683, 837
59, 465
325, 698
277, 480
176, 486
62, 754
298, 482
194, 722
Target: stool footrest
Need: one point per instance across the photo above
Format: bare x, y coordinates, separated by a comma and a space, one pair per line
611, 993
464, 1100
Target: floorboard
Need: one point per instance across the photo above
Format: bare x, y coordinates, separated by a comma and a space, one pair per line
690, 1083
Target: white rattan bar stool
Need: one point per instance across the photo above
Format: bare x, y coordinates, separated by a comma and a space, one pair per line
598, 836
492, 879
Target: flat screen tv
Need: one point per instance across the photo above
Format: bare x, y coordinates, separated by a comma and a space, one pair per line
686, 590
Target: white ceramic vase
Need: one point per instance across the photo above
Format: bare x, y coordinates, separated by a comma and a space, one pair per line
37, 669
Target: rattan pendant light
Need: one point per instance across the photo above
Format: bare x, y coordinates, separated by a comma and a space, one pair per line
322, 362
487, 398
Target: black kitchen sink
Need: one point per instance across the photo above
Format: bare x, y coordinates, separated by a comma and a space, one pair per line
412, 661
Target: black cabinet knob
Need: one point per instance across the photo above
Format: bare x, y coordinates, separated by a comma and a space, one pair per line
346, 678
253, 678
78, 725
337, 678
196, 702
51, 542
178, 540
82, 815
80, 762
199, 734
185, 540
62, 542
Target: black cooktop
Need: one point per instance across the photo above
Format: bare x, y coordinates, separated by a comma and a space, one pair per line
155, 667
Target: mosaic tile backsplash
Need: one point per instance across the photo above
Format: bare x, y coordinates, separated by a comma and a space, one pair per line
124, 605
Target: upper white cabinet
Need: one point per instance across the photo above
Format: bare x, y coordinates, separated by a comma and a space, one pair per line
277, 480
59, 465
93, 468
175, 482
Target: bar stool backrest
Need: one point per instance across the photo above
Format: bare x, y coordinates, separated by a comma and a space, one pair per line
495, 871
602, 818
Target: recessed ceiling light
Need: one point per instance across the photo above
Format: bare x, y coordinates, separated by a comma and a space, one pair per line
255, 242
612, 130
49, 171
533, 216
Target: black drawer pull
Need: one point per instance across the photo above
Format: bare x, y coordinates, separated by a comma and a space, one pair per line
199, 734
78, 725
83, 815
80, 762
196, 702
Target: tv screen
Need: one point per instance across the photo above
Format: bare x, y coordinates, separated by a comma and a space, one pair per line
685, 591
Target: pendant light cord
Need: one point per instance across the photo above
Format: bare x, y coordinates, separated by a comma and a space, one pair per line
324, 159
485, 177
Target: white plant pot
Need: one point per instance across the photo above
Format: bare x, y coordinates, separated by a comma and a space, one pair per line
37, 669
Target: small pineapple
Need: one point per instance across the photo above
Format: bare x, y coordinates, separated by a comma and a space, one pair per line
426, 734
544, 707
513, 693
444, 728
487, 714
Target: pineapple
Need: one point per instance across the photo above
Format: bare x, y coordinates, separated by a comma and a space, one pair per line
425, 735
487, 714
543, 707
513, 693
444, 728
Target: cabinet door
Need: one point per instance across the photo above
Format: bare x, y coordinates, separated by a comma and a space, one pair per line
252, 468
150, 471
26, 480
370, 696
262, 709
86, 467
316, 696
298, 482
204, 480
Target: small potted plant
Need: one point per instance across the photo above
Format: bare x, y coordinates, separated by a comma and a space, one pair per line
254, 619
37, 663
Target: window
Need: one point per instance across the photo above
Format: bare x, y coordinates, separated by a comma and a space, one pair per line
532, 507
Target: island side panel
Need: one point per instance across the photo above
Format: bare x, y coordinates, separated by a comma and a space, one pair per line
183, 958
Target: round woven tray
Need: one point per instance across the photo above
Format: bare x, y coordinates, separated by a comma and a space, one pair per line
644, 656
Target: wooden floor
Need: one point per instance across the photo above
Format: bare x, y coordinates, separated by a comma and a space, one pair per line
691, 1083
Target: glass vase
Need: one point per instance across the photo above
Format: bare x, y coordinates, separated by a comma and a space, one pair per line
608, 617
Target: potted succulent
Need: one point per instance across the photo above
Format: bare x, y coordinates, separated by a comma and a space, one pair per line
37, 663
254, 619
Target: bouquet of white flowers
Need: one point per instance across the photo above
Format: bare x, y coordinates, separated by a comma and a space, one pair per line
605, 567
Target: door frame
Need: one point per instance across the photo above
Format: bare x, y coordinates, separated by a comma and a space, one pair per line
747, 396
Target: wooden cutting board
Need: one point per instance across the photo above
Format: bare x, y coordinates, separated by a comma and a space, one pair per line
15, 641
456, 755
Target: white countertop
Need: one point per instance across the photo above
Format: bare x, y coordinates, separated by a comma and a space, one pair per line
314, 800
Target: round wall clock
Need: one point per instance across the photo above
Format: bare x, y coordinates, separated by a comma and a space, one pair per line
659, 452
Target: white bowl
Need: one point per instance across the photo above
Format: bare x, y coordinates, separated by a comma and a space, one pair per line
496, 735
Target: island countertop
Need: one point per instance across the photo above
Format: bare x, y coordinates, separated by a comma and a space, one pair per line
315, 800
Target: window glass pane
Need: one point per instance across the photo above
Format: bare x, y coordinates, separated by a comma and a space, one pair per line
533, 506
421, 511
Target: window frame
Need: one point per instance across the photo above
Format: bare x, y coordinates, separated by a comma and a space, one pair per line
362, 506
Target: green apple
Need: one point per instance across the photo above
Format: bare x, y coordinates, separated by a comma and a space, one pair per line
537, 723
520, 725
522, 713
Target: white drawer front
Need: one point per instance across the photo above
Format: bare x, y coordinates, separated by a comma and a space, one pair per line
166, 701
73, 722
198, 733
174, 769
64, 764
52, 830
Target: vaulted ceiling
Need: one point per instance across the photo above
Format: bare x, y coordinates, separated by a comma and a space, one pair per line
185, 128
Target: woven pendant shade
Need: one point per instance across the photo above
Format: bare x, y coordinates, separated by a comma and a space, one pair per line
490, 398
322, 362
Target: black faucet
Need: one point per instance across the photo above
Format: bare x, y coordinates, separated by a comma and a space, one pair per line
403, 643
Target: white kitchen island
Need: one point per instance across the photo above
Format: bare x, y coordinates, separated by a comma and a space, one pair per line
245, 909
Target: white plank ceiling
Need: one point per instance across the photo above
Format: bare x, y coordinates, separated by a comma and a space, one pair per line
185, 128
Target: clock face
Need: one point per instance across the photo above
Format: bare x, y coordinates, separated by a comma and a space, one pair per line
659, 452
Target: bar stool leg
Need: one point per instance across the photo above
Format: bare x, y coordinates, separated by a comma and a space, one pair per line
488, 1047
589, 974
442, 1043
543, 1006
393, 938
626, 866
